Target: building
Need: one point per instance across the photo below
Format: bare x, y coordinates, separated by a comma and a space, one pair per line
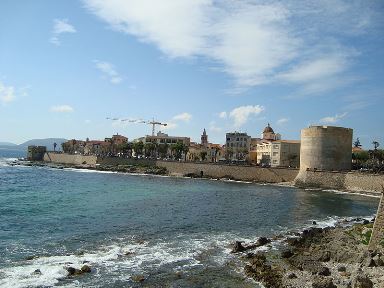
237, 145
36, 153
326, 148
204, 139
272, 151
163, 138
117, 139
269, 134
205, 151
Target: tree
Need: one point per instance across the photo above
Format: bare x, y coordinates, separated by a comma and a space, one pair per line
375, 144
357, 144
149, 148
228, 153
178, 149
203, 154
138, 148
162, 150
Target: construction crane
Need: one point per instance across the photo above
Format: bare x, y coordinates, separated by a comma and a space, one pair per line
130, 120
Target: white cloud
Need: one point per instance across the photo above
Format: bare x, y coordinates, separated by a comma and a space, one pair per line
62, 109
223, 115
60, 26
186, 117
214, 128
7, 93
241, 114
256, 42
282, 121
109, 71
333, 119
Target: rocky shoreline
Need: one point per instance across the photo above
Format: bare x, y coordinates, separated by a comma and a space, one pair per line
318, 258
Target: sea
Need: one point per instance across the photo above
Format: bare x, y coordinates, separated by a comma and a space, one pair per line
165, 231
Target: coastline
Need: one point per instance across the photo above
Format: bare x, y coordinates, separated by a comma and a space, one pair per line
145, 170
332, 256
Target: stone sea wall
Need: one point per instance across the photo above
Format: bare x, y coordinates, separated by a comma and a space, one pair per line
243, 173
351, 181
70, 159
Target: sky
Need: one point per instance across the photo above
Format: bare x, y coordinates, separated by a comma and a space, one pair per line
229, 65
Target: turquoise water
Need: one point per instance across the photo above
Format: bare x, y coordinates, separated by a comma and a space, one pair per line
174, 231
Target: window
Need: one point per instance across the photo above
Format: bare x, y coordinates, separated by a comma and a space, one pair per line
275, 153
274, 161
275, 146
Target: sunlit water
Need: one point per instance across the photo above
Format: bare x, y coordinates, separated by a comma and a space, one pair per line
175, 232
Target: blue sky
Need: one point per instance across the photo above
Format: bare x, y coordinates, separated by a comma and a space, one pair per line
221, 65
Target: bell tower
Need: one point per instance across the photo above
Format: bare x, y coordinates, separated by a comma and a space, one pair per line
204, 139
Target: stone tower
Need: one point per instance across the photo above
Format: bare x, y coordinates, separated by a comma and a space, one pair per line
204, 139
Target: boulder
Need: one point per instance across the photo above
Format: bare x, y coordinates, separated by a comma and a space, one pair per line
324, 271
262, 241
86, 269
238, 247
291, 276
73, 271
286, 254
362, 281
341, 269
321, 282
137, 278
36, 272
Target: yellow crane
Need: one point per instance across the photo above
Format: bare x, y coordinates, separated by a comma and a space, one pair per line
130, 120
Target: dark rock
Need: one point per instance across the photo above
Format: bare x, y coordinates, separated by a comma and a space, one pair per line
238, 247
86, 269
286, 254
325, 256
85, 261
341, 269
291, 276
37, 272
314, 222
324, 271
137, 278
73, 271
321, 282
262, 241
365, 222
362, 281
370, 262
31, 257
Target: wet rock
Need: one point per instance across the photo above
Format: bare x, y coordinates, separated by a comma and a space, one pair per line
31, 257
262, 241
238, 247
86, 269
286, 254
324, 271
314, 222
321, 282
36, 272
362, 281
365, 222
137, 278
73, 271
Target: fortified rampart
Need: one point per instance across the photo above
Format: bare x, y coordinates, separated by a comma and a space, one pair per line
71, 159
351, 181
326, 148
377, 238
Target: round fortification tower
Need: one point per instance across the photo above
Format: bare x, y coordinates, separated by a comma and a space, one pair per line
326, 148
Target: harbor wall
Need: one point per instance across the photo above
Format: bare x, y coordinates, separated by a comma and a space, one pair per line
350, 181
70, 159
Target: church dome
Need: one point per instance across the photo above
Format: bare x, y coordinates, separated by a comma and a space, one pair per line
268, 129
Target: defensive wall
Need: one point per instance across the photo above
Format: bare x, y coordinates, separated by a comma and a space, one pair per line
70, 159
351, 181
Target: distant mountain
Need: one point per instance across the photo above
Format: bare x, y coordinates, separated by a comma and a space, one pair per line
48, 142
7, 144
